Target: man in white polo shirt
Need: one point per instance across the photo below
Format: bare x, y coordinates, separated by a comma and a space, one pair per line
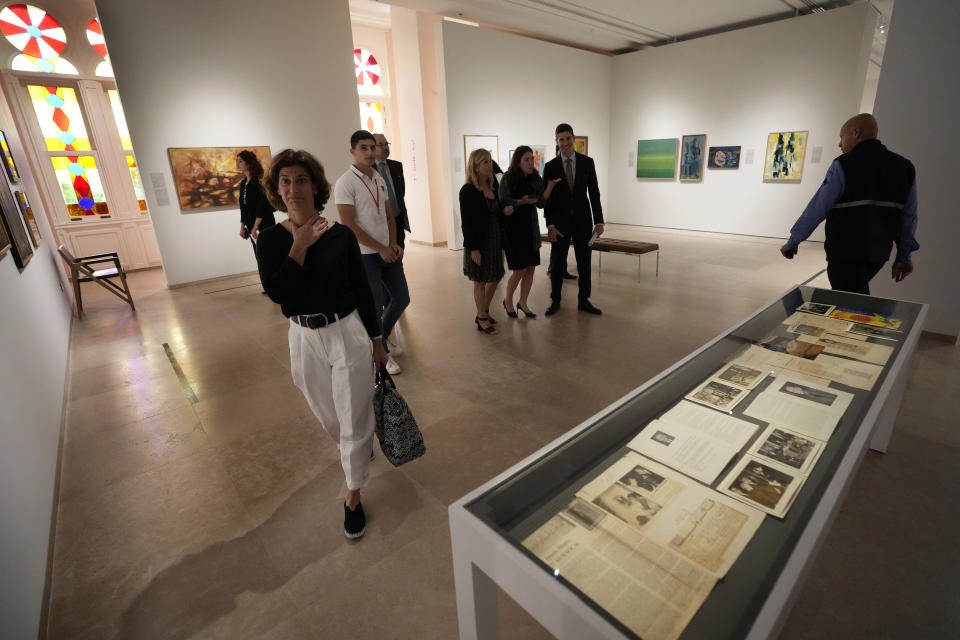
363, 204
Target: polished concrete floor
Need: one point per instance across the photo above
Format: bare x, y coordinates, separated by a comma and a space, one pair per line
212, 509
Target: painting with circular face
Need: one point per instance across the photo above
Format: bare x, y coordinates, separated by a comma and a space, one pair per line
723, 157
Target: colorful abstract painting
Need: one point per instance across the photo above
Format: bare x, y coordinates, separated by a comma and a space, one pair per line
206, 177
580, 144
28, 217
784, 159
21, 249
8, 162
723, 158
657, 158
539, 158
691, 157
867, 318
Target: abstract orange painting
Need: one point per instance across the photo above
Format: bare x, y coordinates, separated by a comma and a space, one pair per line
207, 177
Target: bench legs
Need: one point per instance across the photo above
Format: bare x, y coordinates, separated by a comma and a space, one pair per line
639, 262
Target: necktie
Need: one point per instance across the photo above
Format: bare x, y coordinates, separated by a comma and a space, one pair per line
391, 194
568, 164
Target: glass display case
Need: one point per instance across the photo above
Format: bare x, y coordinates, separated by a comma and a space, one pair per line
489, 525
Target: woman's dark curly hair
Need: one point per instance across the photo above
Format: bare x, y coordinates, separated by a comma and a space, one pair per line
253, 163
293, 158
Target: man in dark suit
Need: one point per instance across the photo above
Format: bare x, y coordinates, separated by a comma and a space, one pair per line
571, 215
392, 172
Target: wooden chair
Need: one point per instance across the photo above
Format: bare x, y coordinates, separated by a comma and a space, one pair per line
80, 271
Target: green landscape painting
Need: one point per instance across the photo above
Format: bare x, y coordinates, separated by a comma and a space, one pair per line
657, 158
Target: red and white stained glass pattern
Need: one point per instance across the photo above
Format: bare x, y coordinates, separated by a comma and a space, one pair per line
371, 116
80, 185
32, 31
95, 38
23, 62
104, 69
368, 73
59, 117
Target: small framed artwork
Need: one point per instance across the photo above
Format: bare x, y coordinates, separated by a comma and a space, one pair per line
580, 144
657, 158
4, 240
691, 157
28, 217
20, 244
472, 142
784, 159
8, 162
723, 158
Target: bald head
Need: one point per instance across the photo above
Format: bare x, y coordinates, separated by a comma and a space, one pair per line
857, 129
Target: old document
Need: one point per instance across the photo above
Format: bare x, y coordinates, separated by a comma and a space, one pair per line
853, 348
763, 484
787, 447
674, 512
649, 588
832, 325
809, 408
694, 440
859, 375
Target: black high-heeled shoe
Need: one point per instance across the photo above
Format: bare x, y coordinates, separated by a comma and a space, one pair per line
487, 330
512, 314
526, 312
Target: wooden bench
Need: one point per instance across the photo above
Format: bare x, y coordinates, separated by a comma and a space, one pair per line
630, 247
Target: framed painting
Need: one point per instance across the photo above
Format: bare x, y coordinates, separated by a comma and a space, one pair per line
206, 177
580, 144
4, 240
657, 158
472, 142
28, 217
723, 158
8, 163
20, 244
691, 157
784, 159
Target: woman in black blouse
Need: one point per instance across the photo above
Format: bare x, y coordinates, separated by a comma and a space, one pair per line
312, 269
256, 212
522, 188
482, 245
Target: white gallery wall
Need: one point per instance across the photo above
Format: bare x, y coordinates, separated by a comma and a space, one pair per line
223, 74
802, 74
519, 89
916, 107
34, 341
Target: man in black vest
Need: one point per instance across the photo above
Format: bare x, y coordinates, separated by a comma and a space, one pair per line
573, 212
869, 200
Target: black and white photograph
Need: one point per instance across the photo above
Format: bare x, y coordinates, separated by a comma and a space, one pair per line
807, 330
789, 448
742, 375
808, 393
641, 478
816, 308
633, 508
718, 395
762, 485
584, 513
663, 438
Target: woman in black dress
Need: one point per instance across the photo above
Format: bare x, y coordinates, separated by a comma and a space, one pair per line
522, 189
312, 269
256, 212
482, 246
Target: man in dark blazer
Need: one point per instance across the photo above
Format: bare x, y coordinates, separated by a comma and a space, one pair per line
571, 215
392, 172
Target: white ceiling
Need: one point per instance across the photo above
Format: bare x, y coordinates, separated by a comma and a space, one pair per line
608, 26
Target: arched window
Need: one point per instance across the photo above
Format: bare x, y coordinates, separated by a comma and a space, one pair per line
370, 88
39, 38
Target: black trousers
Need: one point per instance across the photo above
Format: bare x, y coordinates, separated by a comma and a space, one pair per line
558, 263
854, 277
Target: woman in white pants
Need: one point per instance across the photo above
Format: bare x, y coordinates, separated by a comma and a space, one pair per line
313, 269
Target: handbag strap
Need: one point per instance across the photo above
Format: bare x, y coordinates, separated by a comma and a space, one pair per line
384, 379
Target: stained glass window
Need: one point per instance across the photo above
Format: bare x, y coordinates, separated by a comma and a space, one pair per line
39, 38
61, 122
137, 183
79, 182
368, 73
117, 107
371, 116
95, 38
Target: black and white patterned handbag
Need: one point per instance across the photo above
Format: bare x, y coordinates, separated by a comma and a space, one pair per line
396, 428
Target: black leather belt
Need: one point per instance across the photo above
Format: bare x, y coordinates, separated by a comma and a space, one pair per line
320, 320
